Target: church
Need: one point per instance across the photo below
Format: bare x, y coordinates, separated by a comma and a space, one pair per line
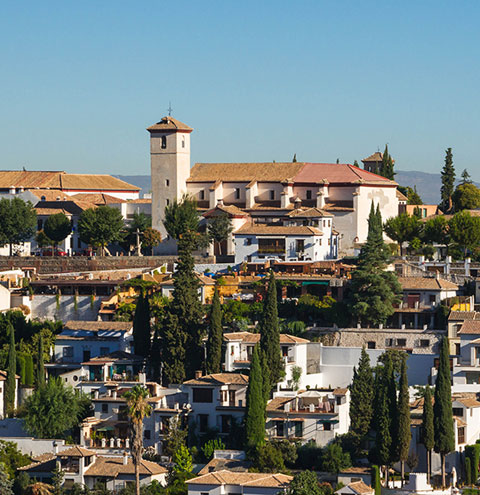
289, 211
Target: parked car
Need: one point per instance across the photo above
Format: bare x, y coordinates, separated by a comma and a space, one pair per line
49, 252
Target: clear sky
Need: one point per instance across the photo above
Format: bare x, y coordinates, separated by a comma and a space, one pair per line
258, 80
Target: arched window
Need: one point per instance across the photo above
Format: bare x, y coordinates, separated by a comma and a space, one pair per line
164, 142
43, 198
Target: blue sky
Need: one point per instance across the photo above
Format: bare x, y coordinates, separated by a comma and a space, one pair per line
258, 80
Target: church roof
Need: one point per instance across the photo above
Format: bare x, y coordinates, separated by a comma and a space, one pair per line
169, 124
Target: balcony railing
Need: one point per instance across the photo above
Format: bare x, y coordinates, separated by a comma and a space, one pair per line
271, 250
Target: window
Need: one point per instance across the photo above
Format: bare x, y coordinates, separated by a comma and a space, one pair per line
104, 408
39, 224
329, 223
67, 352
237, 193
203, 422
167, 182
271, 246
389, 342
226, 423
424, 343
201, 194
371, 345
300, 245
401, 342
272, 195
164, 142
339, 401
280, 426
146, 434
231, 397
298, 429
284, 351
104, 351
86, 355
183, 142
248, 241
167, 202
432, 298
457, 349
458, 411
203, 395
461, 434
327, 426
309, 194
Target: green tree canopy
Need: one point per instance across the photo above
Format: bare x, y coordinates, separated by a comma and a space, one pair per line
464, 230
181, 217
436, 230
53, 409
304, 483
219, 228
428, 433
361, 396
100, 226
57, 227
151, 238
42, 239
255, 406
10, 383
466, 197
334, 459
141, 325
404, 433
19, 222
448, 182
403, 228
215, 336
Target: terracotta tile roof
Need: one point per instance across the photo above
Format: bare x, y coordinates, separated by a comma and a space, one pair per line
254, 338
230, 210
50, 194
144, 201
356, 470
243, 479
360, 487
338, 206
113, 466
471, 327
232, 465
76, 451
338, 173
278, 403
463, 315
259, 229
308, 213
93, 326
244, 172
469, 402
430, 283
220, 379
168, 123
97, 198
374, 157
95, 182
401, 196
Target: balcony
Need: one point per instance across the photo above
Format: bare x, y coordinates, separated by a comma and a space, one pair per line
271, 250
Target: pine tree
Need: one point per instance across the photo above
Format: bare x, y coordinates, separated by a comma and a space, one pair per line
40, 370
255, 406
404, 433
428, 434
10, 383
355, 163
466, 178
270, 333
186, 305
442, 408
141, 326
215, 337
361, 396
448, 182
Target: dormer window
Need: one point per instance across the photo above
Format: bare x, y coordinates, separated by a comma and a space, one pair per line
309, 194
164, 142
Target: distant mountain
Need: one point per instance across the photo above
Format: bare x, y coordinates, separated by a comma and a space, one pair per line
428, 185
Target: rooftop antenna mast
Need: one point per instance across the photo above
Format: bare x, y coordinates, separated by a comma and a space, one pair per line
170, 109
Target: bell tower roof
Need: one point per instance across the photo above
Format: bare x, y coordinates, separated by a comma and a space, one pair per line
168, 123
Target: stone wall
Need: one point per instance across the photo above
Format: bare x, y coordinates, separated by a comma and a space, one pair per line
66, 264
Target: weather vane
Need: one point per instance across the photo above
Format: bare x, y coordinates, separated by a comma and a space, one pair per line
170, 109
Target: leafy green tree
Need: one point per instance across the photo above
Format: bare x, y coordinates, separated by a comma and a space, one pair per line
139, 223
10, 383
334, 459
466, 179
466, 197
40, 370
270, 334
448, 182
57, 480
468, 471
428, 433
464, 230
181, 217
211, 446
403, 228
219, 229
138, 410
404, 433
52, 410
183, 460
173, 349
294, 160
382, 419
436, 230
28, 370
5, 483
21, 482
57, 228
255, 406
19, 221
304, 483
267, 458
151, 238
413, 196
176, 436
373, 291
141, 326
100, 226
11, 458
391, 391
376, 480
387, 165
215, 337
442, 408
361, 396
21, 368
42, 239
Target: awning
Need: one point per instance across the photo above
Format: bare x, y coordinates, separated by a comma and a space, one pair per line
297, 419
105, 428
277, 419
316, 282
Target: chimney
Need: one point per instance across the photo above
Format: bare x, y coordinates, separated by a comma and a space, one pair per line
55, 447
219, 202
198, 374
95, 394
297, 203
11, 190
125, 458
114, 394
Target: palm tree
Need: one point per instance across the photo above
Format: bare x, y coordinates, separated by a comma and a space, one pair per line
138, 409
39, 489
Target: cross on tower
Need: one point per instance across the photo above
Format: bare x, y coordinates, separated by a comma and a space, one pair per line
170, 109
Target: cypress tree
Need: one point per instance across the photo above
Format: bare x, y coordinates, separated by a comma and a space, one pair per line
361, 396
186, 305
173, 353
386, 167
428, 434
404, 432
448, 182
442, 409
270, 333
21, 368
376, 480
255, 405
215, 337
29, 370
468, 471
155, 362
11, 370
141, 325
383, 439
391, 392
40, 371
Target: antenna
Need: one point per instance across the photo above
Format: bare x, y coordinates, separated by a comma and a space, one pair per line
169, 109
